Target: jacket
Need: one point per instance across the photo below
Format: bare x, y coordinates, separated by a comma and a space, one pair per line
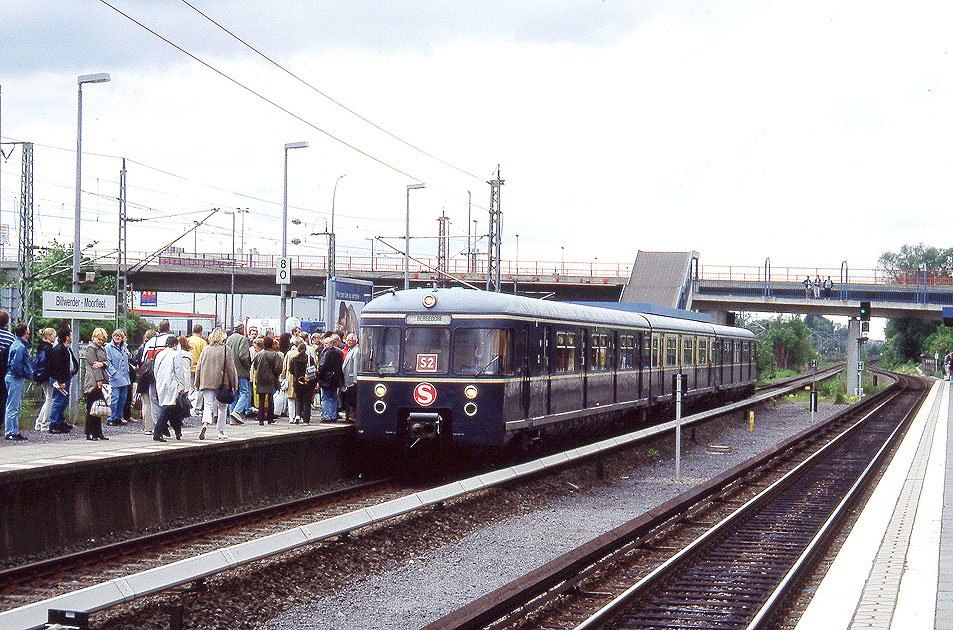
210, 370
170, 374
18, 361
118, 368
63, 363
267, 365
351, 359
94, 354
286, 374
237, 345
330, 374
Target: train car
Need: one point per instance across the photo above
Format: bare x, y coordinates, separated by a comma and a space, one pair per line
474, 369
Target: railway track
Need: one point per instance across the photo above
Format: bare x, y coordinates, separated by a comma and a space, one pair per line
32, 582
724, 555
37, 581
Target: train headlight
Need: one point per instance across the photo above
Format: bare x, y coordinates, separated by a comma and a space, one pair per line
470, 409
379, 390
470, 391
380, 406
430, 300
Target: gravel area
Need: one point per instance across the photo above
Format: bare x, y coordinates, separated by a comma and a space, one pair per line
528, 526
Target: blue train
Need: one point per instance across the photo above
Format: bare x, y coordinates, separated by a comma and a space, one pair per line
473, 369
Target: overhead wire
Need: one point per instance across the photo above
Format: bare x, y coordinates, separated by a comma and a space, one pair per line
262, 96
324, 94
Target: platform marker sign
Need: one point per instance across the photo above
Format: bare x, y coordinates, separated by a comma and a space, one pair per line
59, 304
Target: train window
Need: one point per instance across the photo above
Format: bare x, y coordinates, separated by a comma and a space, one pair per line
600, 351
547, 332
426, 350
565, 358
688, 351
380, 349
626, 352
482, 351
656, 350
703, 351
671, 350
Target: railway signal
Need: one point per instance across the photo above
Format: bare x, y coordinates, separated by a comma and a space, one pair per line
865, 311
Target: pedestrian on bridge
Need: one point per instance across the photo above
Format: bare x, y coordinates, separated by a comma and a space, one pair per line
808, 288
828, 287
817, 287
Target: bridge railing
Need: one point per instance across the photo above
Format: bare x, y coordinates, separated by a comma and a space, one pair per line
459, 266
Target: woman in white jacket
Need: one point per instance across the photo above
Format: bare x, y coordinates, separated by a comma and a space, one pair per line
171, 380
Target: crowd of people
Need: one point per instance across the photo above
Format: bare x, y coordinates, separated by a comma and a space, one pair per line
813, 289
216, 379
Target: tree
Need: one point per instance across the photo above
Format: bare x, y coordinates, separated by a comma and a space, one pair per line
786, 344
913, 257
906, 339
53, 271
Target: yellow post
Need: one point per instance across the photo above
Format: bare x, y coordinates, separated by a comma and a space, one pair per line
751, 421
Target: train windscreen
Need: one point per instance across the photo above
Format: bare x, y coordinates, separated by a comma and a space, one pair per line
380, 352
479, 351
426, 350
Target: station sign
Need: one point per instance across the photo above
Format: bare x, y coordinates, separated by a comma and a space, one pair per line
283, 270
64, 305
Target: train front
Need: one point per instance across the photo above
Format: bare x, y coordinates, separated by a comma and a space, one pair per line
423, 379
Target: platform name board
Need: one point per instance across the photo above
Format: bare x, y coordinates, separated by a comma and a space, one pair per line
78, 305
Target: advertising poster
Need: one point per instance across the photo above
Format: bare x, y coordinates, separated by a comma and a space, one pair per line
350, 296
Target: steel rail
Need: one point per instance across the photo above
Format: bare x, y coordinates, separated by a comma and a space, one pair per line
613, 608
561, 574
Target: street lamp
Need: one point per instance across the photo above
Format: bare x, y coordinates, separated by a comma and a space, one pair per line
332, 250
284, 230
231, 319
562, 259
100, 77
407, 237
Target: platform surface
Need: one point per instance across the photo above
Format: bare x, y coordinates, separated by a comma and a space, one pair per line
62, 449
895, 569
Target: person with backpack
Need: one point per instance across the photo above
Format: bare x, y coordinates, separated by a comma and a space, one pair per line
144, 380
118, 372
63, 365
41, 375
6, 340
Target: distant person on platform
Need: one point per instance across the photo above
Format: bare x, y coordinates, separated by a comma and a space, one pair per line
237, 345
6, 340
197, 343
267, 364
808, 288
118, 371
153, 347
63, 366
349, 390
214, 370
41, 374
18, 370
171, 380
817, 287
330, 377
828, 287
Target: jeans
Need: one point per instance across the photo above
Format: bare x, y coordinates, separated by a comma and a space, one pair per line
329, 403
60, 400
117, 401
243, 398
11, 425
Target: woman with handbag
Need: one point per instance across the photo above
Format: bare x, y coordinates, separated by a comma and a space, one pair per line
304, 374
287, 380
215, 377
96, 364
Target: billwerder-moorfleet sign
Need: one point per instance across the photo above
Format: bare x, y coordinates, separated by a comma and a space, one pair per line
78, 305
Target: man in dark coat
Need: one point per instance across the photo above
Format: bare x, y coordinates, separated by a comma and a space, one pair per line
330, 377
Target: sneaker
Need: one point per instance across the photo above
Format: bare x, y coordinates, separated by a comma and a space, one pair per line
16, 437
236, 418
202, 432
222, 435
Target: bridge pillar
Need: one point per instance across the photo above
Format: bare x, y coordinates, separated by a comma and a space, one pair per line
853, 356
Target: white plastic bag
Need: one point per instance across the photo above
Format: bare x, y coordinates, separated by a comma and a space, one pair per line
281, 400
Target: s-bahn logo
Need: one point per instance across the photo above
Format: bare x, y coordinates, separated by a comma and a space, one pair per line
425, 394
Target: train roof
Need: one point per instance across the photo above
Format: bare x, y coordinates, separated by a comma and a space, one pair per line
474, 302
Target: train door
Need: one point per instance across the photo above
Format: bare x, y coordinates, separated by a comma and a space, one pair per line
523, 352
716, 361
547, 367
655, 378
585, 342
640, 352
730, 360
613, 359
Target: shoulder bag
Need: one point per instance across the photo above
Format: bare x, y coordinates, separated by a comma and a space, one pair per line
224, 394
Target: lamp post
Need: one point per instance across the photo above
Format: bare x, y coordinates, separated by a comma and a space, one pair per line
562, 260
516, 272
231, 317
284, 231
241, 299
407, 237
332, 251
101, 77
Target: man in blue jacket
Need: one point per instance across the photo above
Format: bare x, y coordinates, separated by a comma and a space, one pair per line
18, 370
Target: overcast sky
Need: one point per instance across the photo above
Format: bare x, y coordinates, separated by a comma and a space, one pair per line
808, 132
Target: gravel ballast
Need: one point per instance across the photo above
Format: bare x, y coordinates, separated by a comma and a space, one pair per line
540, 522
